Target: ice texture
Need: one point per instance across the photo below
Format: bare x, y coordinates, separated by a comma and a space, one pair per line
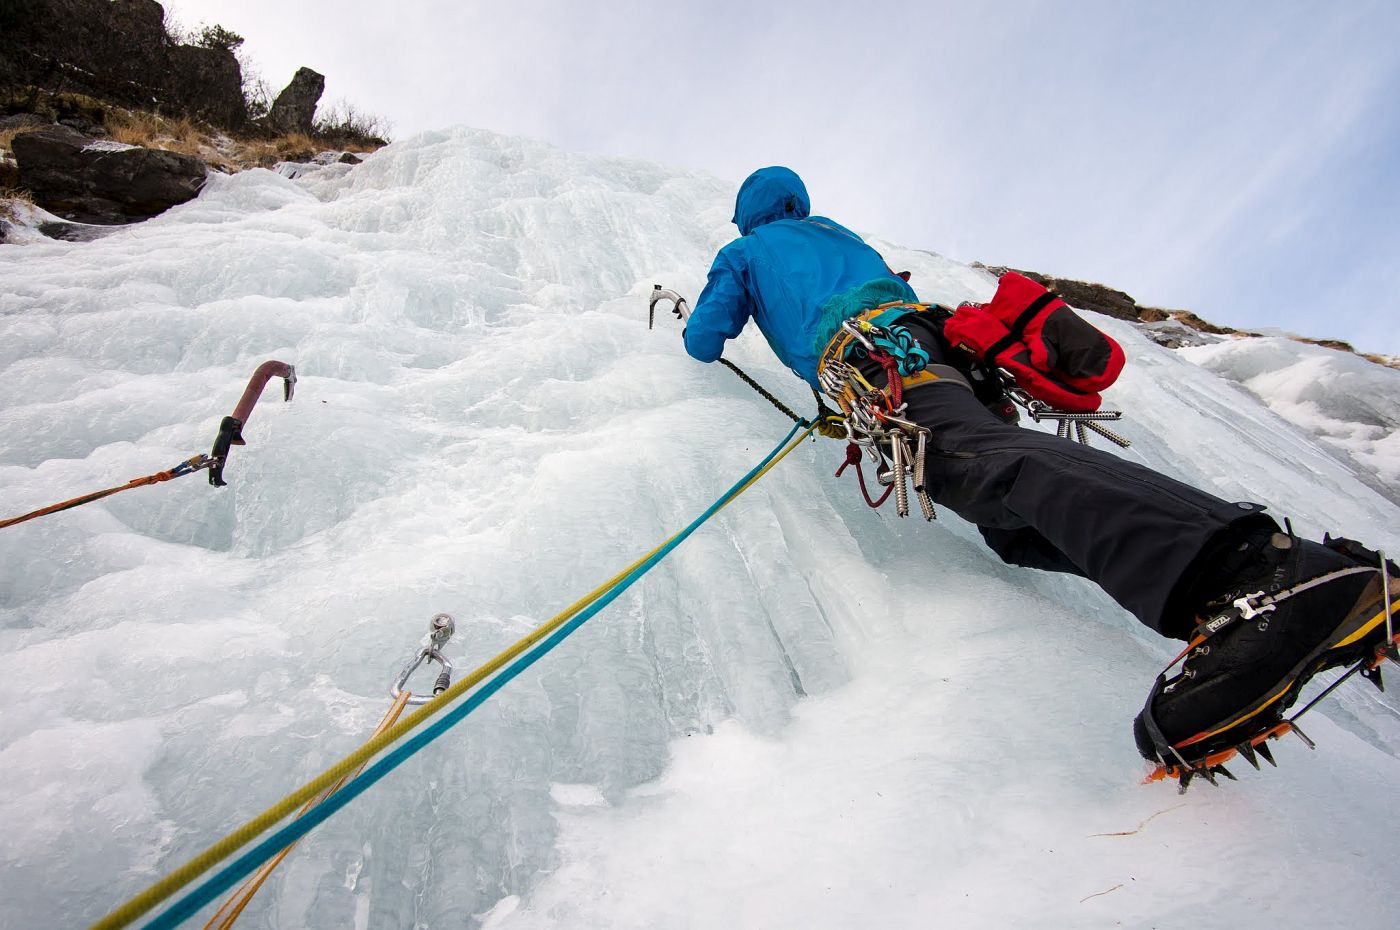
1351, 405
812, 714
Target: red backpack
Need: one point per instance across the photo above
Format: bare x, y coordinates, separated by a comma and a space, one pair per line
1053, 354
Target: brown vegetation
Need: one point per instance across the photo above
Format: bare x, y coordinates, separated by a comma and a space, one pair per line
219, 150
10, 200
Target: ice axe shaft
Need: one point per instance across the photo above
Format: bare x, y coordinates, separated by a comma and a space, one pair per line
264, 373
231, 428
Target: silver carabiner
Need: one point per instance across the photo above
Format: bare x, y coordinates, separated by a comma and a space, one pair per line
440, 630
443, 682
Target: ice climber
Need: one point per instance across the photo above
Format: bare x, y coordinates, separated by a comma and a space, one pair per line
1262, 610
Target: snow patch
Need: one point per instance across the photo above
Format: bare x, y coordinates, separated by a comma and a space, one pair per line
108, 145
1351, 405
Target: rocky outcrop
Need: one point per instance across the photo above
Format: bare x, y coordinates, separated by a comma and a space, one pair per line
91, 181
1171, 328
1085, 295
294, 110
117, 51
207, 83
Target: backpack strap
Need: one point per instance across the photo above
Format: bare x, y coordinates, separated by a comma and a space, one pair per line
1018, 328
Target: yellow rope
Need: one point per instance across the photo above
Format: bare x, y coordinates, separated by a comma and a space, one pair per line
229, 912
152, 896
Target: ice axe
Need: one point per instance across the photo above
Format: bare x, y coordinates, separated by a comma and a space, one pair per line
230, 434
828, 420
678, 305
231, 429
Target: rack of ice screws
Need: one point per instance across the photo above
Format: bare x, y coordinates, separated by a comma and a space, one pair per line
440, 630
897, 447
1066, 421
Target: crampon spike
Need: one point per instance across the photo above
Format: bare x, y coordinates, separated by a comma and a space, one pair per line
1249, 754
1301, 735
1222, 770
1266, 754
1373, 675
1185, 781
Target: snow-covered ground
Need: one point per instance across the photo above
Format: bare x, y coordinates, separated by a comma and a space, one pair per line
1348, 403
811, 715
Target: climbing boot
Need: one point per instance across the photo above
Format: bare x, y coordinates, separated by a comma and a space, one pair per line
1295, 609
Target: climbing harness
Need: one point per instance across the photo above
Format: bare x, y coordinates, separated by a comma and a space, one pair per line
490, 677
1255, 746
828, 421
874, 426
230, 434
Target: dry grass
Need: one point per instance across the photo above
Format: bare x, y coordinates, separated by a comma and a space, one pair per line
152, 131
10, 200
291, 147
1389, 361
6, 137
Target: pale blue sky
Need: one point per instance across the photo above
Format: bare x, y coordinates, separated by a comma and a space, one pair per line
1241, 160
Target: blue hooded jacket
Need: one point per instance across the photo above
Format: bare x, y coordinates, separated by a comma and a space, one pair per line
786, 266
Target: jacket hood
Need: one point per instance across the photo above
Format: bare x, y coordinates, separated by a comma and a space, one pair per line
770, 194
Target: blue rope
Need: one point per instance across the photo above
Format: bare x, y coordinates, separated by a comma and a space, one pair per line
205, 893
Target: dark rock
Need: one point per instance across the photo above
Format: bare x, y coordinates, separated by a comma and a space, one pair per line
1337, 344
1082, 295
294, 110
1187, 318
349, 158
77, 232
118, 51
22, 121
70, 175
85, 126
212, 83
1173, 334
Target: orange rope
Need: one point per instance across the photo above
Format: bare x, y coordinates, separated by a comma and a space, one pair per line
230, 910
194, 464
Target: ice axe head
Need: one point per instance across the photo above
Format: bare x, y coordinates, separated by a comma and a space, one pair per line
678, 304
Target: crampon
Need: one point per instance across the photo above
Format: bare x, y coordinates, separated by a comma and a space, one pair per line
1363, 639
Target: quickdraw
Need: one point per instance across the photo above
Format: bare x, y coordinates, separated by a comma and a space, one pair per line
230, 434
440, 630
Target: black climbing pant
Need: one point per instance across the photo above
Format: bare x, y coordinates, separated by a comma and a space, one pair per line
1051, 503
